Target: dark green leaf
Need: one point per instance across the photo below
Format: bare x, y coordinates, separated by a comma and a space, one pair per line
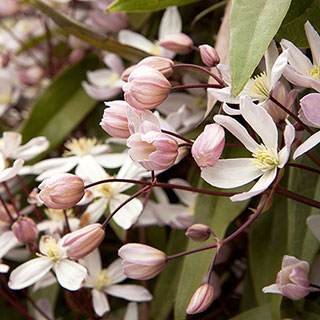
262, 313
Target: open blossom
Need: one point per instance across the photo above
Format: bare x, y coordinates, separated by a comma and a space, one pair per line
52, 255
310, 113
301, 71
292, 280
104, 281
266, 158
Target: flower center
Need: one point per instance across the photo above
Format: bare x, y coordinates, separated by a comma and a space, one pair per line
314, 73
265, 158
114, 80
58, 215
156, 49
260, 87
106, 189
79, 147
5, 98
50, 248
101, 280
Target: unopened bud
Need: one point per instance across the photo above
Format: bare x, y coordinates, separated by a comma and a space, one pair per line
209, 55
25, 230
199, 232
61, 191
201, 299
31, 76
81, 242
126, 73
142, 262
179, 43
163, 65
8, 7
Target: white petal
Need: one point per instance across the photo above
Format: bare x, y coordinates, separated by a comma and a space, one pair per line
90, 170
289, 135
135, 40
33, 148
238, 130
231, 173
271, 56
186, 197
9, 173
100, 302
70, 274
296, 58
170, 22
313, 223
114, 62
131, 312
175, 101
262, 184
8, 241
260, 121
274, 288
97, 209
307, 145
44, 282
11, 142
92, 262
314, 42
29, 273
4, 268
114, 272
278, 67
129, 292
100, 78
224, 95
112, 160
230, 111
99, 93
128, 214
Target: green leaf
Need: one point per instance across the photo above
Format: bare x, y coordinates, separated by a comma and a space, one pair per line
218, 213
253, 24
262, 313
62, 106
96, 39
292, 27
145, 5
167, 283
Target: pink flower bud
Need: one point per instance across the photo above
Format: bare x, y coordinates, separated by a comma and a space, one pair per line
180, 43
25, 230
126, 73
31, 76
146, 88
292, 280
151, 148
209, 145
142, 262
163, 65
199, 232
81, 242
209, 55
8, 7
115, 121
201, 299
61, 191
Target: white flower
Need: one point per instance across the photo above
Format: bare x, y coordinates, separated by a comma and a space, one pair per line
105, 281
301, 71
70, 274
170, 23
266, 159
111, 193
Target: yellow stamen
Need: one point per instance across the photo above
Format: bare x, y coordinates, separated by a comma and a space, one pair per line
314, 73
265, 159
260, 87
102, 280
80, 147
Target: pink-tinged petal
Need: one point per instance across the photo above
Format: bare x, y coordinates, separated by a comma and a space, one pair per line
131, 312
175, 101
299, 277
114, 272
9, 173
294, 292
29, 273
100, 78
311, 108
170, 22
129, 292
128, 214
11, 142
100, 302
238, 131
313, 223
262, 184
135, 40
114, 62
231, 173
274, 288
289, 135
260, 121
230, 111
296, 58
289, 261
100, 93
314, 42
307, 145
8, 241
278, 67
33, 148
70, 274
142, 272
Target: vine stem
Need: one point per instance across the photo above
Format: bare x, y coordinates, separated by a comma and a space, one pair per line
6, 208
302, 166
13, 202
194, 86
177, 136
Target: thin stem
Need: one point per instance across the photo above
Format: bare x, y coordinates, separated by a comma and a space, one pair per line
144, 189
13, 202
67, 221
118, 180
194, 86
207, 280
290, 113
6, 208
302, 166
187, 65
180, 145
184, 253
174, 134
314, 286
297, 197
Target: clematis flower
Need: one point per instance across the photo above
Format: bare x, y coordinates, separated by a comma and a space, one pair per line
105, 83
70, 274
266, 158
301, 71
310, 108
292, 280
105, 281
